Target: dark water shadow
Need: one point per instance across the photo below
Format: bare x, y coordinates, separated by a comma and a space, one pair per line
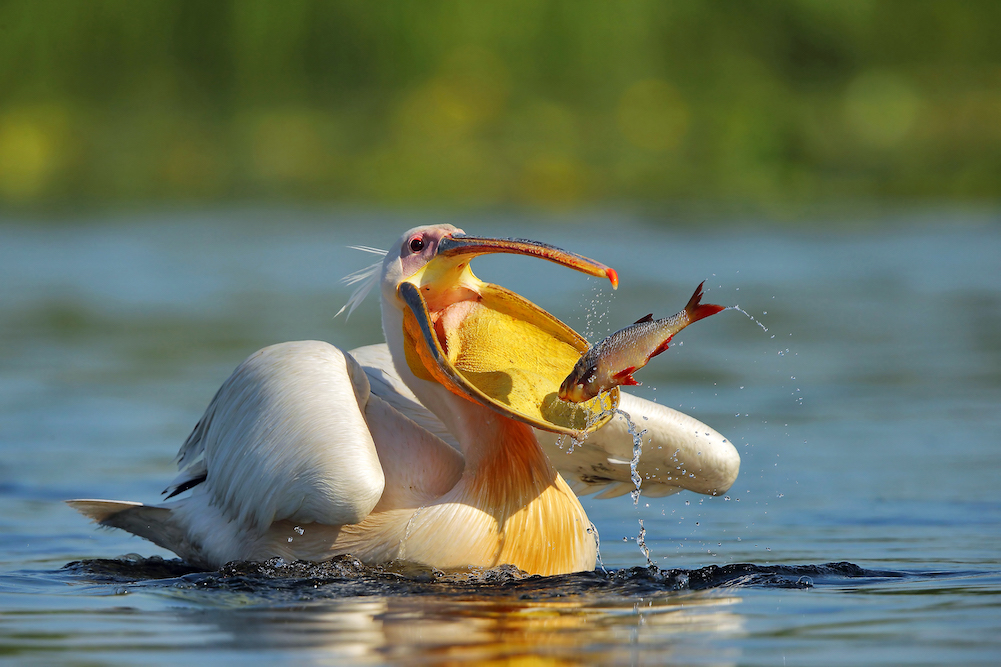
346, 576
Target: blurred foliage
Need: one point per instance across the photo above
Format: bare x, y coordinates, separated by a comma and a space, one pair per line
537, 102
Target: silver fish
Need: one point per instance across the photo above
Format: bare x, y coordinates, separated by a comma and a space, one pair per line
613, 361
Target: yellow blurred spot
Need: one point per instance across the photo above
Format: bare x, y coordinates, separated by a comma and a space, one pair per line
435, 112
652, 115
481, 80
881, 107
553, 180
469, 91
436, 148
30, 151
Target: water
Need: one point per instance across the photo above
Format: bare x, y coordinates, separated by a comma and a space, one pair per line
865, 524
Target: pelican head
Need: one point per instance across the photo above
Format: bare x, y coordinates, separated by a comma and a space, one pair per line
448, 329
436, 258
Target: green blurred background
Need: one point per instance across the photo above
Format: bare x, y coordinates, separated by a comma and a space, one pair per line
772, 105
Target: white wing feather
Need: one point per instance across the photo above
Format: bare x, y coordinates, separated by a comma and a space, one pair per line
678, 453
286, 438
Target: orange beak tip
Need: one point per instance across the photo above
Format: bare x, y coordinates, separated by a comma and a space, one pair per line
613, 277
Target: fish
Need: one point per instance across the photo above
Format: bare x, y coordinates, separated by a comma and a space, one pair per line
612, 361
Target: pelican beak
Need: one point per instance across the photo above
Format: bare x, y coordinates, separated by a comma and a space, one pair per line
492, 346
460, 245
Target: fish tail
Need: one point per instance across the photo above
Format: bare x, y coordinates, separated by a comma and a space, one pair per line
696, 310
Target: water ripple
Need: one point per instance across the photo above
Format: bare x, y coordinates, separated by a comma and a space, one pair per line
346, 576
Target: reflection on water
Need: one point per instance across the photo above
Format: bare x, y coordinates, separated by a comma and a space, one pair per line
344, 609
496, 631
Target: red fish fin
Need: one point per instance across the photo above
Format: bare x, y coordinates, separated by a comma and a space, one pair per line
645, 318
625, 376
660, 348
697, 310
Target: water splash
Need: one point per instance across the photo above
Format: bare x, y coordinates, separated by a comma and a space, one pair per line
576, 440
634, 463
641, 543
596, 310
636, 478
637, 436
749, 316
279, 581
593, 531
410, 526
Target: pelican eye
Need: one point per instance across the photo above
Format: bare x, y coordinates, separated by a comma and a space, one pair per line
416, 244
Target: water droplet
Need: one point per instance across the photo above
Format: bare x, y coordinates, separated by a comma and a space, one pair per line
641, 543
749, 316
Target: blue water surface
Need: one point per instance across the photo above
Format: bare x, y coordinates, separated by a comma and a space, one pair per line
863, 397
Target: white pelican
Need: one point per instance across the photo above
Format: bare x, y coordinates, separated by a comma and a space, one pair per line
438, 447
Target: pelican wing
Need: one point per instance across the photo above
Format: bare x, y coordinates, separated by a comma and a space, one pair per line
678, 451
286, 438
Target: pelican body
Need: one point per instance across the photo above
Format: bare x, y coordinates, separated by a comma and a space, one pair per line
440, 446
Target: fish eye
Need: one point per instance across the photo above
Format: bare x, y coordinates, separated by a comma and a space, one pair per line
416, 244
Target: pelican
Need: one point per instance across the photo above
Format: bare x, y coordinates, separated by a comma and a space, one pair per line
445, 446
